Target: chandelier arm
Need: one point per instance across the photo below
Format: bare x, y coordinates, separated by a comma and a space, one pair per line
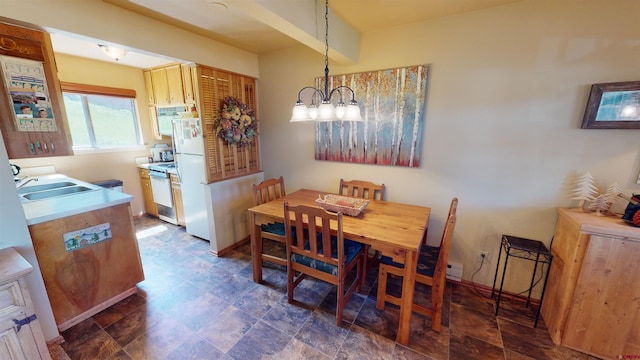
353, 93
317, 91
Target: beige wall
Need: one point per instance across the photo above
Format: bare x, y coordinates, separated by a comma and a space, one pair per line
119, 165
506, 95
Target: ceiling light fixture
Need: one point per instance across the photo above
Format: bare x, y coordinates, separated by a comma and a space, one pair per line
113, 52
326, 111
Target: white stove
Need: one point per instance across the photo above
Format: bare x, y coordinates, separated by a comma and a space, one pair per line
161, 188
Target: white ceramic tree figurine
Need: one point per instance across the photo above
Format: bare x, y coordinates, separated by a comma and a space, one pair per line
585, 189
599, 204
612, 193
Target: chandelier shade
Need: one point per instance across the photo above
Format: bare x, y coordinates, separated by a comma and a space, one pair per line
325, 110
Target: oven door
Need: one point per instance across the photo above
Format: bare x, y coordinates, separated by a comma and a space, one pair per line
161, 187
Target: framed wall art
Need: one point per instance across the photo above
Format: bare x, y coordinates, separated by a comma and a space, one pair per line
613, 106
27, 87
392, 104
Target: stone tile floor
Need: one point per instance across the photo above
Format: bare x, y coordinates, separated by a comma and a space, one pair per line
193, 305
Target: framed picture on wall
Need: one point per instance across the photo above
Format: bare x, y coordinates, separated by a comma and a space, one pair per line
613, 106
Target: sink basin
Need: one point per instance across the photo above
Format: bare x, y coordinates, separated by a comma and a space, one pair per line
60, 191
34, 188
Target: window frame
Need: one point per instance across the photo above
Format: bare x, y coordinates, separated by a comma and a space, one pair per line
86, 89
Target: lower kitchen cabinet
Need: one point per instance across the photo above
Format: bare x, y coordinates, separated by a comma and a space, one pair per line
176, 192
149, 205
20, 333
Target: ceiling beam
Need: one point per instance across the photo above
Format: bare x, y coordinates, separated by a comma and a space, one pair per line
303, 20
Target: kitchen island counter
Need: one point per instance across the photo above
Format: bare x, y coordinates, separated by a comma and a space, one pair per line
42, 210
85, 242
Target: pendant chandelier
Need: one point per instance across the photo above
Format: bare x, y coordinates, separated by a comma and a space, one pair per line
326, 111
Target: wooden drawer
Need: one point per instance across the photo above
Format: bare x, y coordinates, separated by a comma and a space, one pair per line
12, 303
144, 173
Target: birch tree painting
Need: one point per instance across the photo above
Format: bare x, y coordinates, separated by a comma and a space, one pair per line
392, 104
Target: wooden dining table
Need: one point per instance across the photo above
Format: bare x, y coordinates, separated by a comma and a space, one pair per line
395, 229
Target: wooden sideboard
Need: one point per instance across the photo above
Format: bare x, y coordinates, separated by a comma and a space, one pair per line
592, 302
20, 333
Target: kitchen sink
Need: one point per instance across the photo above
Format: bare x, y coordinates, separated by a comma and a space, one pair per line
60, 191
34, 188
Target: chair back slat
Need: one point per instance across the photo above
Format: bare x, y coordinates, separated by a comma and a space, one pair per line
361, 189
268, 190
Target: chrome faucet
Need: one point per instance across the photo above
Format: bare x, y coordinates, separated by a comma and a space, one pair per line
24, 181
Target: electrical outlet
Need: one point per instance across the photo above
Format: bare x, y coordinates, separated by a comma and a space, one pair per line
483, 256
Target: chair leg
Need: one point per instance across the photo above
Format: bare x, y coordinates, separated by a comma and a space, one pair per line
365, 265
382, 286
340, 301
290, 284
437, 297
361, 269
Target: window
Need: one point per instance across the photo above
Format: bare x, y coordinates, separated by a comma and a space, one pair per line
101, 117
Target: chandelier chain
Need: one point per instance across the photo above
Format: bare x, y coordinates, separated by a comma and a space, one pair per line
326, 49
326, 111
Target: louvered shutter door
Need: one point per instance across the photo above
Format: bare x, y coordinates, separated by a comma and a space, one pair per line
226, 160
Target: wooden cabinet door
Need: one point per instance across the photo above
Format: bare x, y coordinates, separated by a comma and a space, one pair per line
160, 87
187, 84
148, 85
605, 312
150, 206
153, 118
25, 341
174, 82
28, 137
176, 192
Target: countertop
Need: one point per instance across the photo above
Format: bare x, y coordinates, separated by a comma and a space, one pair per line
39, 211
609, 226
12, 265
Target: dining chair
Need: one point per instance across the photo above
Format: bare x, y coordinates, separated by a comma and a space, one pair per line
431, 271
365, 190
268, 190
312, 250
361, 189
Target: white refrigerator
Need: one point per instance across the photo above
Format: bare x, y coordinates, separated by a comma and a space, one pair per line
217, 211
189, 158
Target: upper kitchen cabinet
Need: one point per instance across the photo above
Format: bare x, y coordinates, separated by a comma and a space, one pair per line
32, 116
171, 85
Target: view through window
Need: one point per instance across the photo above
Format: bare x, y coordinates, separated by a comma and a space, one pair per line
101, 121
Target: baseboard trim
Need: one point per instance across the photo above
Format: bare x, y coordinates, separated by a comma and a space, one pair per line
228, 249
486, 291
96, 309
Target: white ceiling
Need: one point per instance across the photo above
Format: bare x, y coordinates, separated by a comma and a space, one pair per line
247, 25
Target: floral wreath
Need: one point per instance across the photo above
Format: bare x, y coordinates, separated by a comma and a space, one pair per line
237, 123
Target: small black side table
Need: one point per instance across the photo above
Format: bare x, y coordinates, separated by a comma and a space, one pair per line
532, 250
